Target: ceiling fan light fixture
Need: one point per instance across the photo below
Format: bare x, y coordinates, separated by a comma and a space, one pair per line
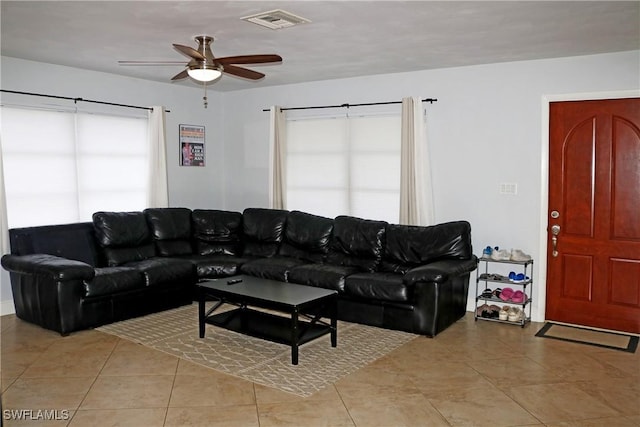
202, 73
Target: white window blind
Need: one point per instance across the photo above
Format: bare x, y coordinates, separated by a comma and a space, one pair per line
113, 164
60, 167
345, 166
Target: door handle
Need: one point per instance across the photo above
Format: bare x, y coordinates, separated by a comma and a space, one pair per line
555, 230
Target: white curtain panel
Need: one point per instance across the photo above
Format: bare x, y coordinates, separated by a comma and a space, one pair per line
158, 196
416, 193
4, 226
277, 159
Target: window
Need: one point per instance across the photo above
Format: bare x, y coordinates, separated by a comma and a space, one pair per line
60, 167
345, 166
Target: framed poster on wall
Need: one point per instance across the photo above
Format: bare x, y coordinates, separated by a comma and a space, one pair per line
191, 145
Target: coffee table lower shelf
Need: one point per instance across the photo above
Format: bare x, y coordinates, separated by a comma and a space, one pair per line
267, 326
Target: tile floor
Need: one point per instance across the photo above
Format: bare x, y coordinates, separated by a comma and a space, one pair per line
473, 374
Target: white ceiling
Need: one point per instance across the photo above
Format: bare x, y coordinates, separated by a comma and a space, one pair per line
344, 38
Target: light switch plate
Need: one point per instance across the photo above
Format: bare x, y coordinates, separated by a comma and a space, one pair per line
509, 188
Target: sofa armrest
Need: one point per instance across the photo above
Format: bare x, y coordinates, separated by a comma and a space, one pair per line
60, 269
439, 271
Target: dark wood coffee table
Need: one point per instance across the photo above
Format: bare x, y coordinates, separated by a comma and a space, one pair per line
297, 301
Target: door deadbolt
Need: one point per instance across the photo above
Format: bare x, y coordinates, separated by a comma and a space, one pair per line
555, 230
555, 214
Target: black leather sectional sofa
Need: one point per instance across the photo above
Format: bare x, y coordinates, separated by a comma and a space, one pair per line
127, 264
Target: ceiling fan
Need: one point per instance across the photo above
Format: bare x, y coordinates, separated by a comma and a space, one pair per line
205, 68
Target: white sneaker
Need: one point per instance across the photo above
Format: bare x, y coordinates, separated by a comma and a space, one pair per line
518, 255
504, 313
501, 255
515, 315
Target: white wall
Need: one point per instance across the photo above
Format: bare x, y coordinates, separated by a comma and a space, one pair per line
192, 187
485, 129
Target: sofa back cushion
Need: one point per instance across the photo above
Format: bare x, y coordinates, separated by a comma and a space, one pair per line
72, 241
306, 236
123, 236
217, 232
357, 243
408, 246
263, 230
171, 230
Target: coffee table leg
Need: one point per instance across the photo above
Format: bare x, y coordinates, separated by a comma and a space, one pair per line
201, 324
334, 323
294, 337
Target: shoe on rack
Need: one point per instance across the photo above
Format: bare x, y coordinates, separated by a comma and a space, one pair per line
518, 255
519, 297
515, 315
506, 294
486, 252
482, 310
487, 293
504, 313
517, 277
501, 255
494, 311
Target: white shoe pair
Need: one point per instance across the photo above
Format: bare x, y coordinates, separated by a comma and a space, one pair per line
513, 255
515, 314
500, 255
518, 255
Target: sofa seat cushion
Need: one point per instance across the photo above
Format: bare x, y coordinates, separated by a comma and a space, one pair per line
321, 275
274, 268
212, 266
160, 271
378, 286
111, 280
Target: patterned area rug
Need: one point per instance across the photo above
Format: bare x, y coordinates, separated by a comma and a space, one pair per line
263, 362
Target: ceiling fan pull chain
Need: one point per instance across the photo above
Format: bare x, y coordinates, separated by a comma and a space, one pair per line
204, 98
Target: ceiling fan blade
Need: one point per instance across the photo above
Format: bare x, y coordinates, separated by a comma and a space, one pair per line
181, 75
249, 59
189, 51
150, 62
242, 72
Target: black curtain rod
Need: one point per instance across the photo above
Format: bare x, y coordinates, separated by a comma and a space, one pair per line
429, 100
75, 100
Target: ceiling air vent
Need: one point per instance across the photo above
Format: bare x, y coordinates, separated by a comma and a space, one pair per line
276, 19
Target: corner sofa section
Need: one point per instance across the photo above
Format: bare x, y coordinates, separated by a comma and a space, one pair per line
127, 264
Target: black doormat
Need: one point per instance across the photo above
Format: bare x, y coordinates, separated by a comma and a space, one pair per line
605, 339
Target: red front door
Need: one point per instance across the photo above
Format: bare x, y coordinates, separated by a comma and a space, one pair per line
593, 260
